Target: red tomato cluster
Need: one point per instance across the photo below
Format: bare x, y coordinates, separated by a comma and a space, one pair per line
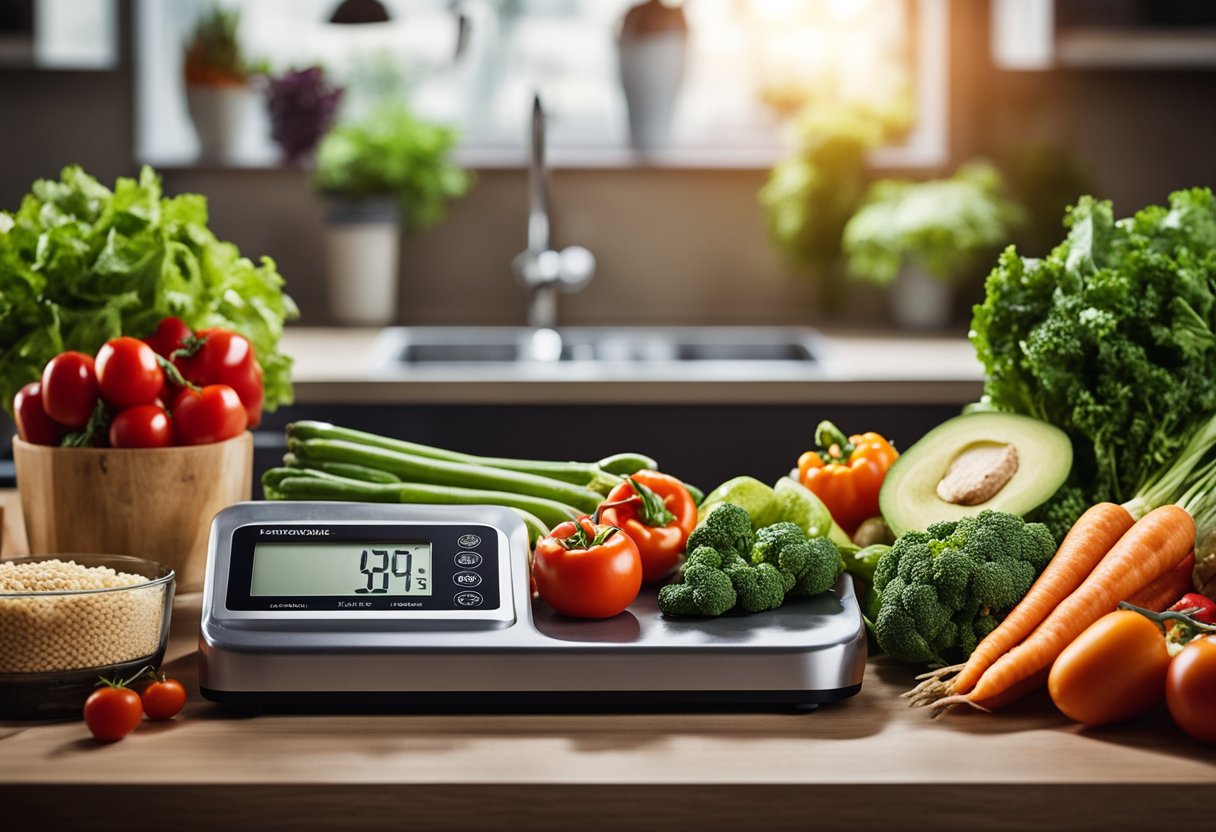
114, 709
175, 387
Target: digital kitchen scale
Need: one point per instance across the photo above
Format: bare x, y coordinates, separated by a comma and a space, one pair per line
323, 604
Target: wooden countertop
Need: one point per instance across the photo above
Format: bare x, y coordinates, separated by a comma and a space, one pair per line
865, 763
338, 365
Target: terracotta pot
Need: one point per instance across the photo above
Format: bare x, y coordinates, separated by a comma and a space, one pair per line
154, 503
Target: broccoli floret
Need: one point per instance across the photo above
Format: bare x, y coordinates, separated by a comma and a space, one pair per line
706, 591
726, 529
807, 567
944, 589
759, 587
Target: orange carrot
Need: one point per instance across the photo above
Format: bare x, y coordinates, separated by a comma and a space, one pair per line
1152, 547
1090, 538
1167, 589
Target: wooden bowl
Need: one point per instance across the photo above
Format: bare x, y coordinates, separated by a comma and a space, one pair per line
154, 503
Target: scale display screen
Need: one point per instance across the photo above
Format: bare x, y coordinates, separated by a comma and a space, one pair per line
357, 569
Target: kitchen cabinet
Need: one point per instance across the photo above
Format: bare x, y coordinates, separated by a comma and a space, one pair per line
866, 763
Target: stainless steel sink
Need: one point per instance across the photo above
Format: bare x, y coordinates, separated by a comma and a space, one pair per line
524, 351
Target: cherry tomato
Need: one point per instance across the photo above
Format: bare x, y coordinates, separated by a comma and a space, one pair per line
142, 426
1113, 671
659, 524
227, 358
163, 698
1190, 689
112, 712
33, 425
127, 373
212, 414
587, 570
170, 335
69, 389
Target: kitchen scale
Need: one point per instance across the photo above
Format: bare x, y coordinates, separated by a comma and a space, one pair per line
343, 604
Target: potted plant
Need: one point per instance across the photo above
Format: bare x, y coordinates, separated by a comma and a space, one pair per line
384, 171
302, 106
219, 94
921, 238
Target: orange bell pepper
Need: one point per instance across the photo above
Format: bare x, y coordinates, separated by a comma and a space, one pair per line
846, 473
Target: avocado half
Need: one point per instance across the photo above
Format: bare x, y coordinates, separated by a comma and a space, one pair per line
909, 499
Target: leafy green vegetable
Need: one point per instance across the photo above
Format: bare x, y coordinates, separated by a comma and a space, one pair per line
1111, 338
391, 152
942, 226
80, 264
947, 587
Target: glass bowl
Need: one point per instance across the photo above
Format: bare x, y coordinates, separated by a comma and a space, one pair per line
54, 645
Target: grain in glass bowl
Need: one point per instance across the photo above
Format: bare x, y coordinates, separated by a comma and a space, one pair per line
67, 620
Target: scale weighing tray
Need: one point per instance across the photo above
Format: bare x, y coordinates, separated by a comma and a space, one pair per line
508, 651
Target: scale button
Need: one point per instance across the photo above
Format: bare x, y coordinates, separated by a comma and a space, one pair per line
467, 578
469, 541
468, 560
469, 599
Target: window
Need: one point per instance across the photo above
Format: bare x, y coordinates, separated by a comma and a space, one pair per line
475, 64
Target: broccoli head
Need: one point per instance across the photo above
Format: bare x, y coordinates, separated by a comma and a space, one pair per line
726, 529
758, 588
807, 567
706, 590
944, 589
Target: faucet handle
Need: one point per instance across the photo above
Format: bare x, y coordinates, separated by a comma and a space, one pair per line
576, 268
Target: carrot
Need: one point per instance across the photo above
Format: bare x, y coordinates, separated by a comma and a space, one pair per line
1152, 547
1167, 589
1090, 538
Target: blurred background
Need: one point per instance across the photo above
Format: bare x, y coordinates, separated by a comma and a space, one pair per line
710, 153
727, 161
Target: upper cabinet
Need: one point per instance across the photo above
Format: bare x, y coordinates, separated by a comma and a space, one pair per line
59, 34
1103, 34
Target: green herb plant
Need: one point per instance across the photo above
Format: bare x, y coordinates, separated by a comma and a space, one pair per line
942, 226
81, 264
390, 152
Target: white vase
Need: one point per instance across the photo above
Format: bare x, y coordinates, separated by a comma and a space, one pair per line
652, 68
919, 301
219, 114
363, 258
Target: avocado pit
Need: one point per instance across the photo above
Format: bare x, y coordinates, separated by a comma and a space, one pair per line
978, 473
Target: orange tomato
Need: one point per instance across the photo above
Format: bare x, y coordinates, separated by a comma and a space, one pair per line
1190, 689
1113, 671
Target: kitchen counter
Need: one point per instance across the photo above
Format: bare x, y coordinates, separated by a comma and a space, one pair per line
865, 763
339, 365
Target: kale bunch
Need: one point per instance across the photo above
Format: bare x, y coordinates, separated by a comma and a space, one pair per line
1110, 338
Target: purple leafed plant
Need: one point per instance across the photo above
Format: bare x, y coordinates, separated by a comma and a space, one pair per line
302, 108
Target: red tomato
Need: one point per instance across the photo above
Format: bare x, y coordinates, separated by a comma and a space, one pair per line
659, 525
112, 712
1113, 671
227, 358
142, 426
587, 570
33, 425
127, 373
163, 698
69, 389
1190, 689
170, 335
212, 414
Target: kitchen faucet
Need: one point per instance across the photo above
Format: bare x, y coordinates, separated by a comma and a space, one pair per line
542, 269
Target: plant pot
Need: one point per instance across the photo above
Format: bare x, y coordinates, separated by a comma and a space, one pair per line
919, 301
652, 49
155, 503
219, 114
363, 258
